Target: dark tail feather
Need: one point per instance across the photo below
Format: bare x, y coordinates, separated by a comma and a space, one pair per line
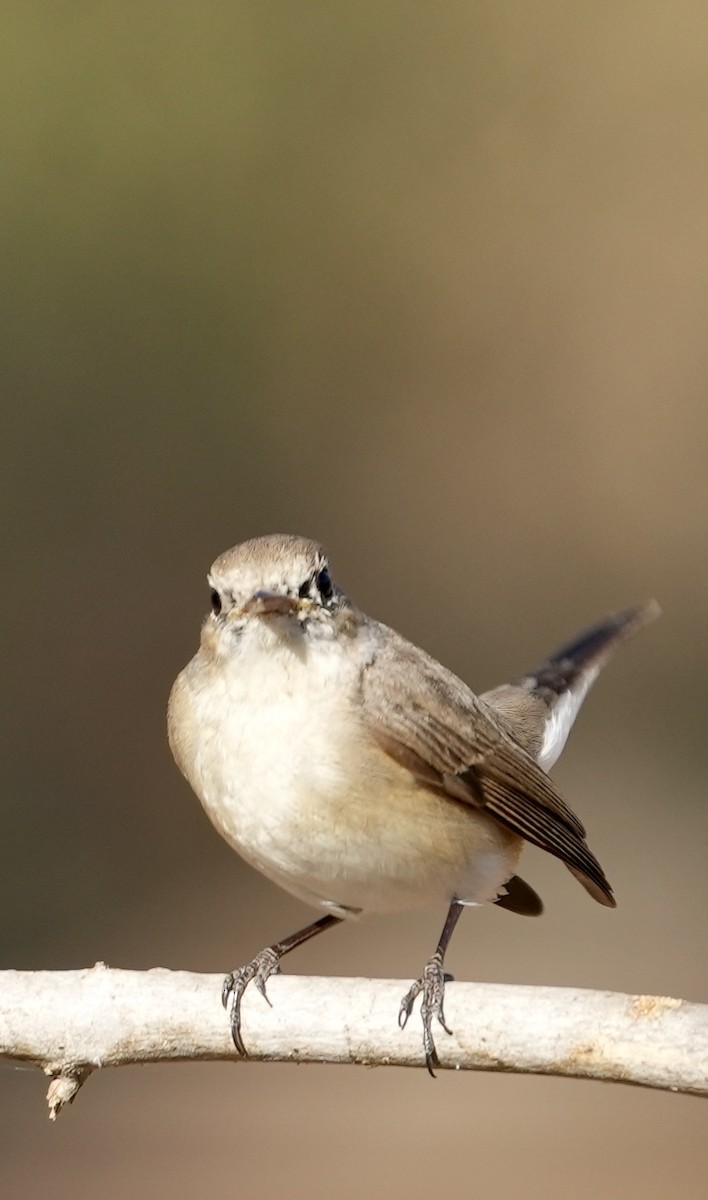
589, 651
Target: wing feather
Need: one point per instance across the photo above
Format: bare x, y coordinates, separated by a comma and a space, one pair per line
430, 721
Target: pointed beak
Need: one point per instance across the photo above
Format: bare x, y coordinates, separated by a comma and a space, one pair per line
262, 604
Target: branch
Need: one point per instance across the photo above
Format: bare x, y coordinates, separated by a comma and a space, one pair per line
69, 1023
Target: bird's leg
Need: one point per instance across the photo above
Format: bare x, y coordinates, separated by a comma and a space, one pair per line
260, 969
432, 985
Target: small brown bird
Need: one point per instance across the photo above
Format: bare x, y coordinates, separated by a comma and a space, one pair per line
358, 773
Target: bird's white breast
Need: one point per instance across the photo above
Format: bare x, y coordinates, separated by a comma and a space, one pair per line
290, 776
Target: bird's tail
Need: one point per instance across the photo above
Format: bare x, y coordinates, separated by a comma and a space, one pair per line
539, 709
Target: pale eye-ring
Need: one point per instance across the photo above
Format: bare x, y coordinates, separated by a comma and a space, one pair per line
215, 600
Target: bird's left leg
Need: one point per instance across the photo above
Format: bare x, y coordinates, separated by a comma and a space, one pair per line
432, 984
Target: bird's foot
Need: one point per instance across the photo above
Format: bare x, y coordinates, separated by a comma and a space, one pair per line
432, 985
258, 971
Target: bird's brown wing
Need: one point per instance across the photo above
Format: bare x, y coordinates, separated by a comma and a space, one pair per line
429, 721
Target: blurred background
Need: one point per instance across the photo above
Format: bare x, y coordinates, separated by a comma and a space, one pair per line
427, 282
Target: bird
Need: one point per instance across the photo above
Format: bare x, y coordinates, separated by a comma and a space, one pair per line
361, 775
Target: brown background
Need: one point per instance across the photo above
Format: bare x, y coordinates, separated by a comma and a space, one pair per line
426, 281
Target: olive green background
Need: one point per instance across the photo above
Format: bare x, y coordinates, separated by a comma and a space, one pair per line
427, 281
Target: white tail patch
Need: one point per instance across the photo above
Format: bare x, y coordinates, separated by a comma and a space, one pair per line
561, 718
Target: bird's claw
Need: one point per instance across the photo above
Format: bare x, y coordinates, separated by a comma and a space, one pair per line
432, 985
258, 971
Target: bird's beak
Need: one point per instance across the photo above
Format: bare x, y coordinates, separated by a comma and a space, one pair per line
262, 604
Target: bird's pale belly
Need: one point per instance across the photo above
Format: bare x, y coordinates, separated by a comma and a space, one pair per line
338, 823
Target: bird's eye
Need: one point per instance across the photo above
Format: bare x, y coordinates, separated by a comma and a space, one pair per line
324, 584
215, 599
304, 589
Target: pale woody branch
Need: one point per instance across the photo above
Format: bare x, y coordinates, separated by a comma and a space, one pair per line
70, 1023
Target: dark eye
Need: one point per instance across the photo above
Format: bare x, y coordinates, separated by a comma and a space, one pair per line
324, 584
304, 589
215, 599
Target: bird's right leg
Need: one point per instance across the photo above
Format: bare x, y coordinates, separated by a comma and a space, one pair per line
260, 969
